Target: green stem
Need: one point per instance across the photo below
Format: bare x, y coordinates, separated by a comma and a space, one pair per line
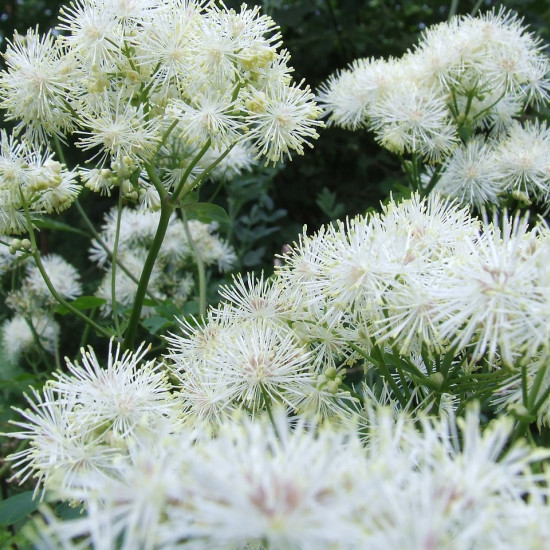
541, 400
86, 331
59, 150
209, 168
453, 9
103, 245
38, 343
36, 256
433, 181
200, 266
267, 402
166, 210
488, 108
352, 392
189, 169
475, 9
381, 366
524, 389
166, 135
114, 264
217, 190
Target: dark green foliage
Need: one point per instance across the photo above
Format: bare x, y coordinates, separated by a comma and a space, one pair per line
20, 15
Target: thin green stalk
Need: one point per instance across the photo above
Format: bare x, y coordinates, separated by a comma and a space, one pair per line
103, 245
535, 388
524, 390
146, 90
36, 256
57, 358
166, 210
267, 402
475, 9
352, 392
416, 173
541, 400
433, 181
200, 267
166, 134
86, 331
37, 341
189, 169
453, 9
114, 264
59, 150
381, 366
489, 107
219, 187
210, 167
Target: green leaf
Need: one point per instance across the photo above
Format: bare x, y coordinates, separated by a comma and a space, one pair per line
206, 212
326, 201
47, 223
155, 323
67, 511
17, 507
83, 302
190, 198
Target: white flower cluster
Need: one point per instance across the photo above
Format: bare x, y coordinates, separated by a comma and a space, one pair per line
181, 453
422, 276
33, 305
124, 76
30, 177
425, 272
454, 101
114, 440
172, 273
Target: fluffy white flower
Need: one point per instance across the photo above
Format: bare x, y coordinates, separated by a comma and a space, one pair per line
86, 420
283, 119
349, 95
209, 116
471, 175
120, 129
18, 337
523, 160
31, 176
414, 120
492, 304
34, 87
287, 484
63, 276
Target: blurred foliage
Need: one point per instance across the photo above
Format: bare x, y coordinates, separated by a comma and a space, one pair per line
19, 15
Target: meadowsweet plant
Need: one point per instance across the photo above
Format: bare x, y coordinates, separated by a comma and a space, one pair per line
453, 108
156, 94
387, 387
349, 384
278, 483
